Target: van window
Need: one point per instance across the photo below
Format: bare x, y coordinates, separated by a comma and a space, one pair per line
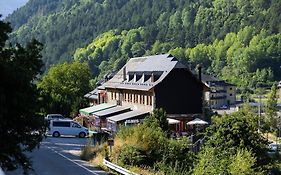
61, 124
75, 125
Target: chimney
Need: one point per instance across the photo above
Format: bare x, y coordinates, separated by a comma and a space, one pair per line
199, 72
124, 73
152, 77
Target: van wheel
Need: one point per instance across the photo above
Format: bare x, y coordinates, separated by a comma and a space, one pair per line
82, 135
56, 134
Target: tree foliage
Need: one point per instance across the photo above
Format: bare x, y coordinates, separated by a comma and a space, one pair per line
21, 128
271, 109
234, 40
215, 161
158, 118
233, 145
64, 86
237, 131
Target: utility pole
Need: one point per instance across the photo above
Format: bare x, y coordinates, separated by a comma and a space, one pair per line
259, 120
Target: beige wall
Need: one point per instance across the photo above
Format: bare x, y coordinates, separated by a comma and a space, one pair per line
231, 94
136, 100
219, 91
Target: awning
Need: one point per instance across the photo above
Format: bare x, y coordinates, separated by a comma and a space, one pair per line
172, 121
197, 121
112, 111
127, 115
96, 108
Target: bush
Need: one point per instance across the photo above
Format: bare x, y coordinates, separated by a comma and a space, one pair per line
215, 161
104, 151
178, 151
142, 140
174, 168
145, 145
131, 155
88, 152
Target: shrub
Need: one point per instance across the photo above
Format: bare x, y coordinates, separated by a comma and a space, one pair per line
215, 161
88, 152
174, 168
104, 151
145, 141
178, 151
132, 155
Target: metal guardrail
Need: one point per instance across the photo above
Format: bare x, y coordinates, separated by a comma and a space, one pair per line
117, 168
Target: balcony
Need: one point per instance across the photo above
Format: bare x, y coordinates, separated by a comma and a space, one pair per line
218, 97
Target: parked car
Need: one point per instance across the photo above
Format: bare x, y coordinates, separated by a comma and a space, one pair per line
54, 117
224, 107
273, 147
67, 127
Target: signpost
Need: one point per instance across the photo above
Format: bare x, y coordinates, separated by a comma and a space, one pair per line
110, 143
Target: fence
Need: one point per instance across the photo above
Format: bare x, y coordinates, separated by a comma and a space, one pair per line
117, 168
195, 147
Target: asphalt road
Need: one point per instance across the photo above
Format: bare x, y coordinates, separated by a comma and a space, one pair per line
60, 156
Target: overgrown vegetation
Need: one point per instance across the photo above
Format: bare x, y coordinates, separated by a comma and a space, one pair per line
147, 145
232, 145
88, 151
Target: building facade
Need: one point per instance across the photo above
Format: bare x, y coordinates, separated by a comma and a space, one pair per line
152, 82
160, 81
221, 94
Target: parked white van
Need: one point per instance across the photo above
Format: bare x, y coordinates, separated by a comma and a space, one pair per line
67, 127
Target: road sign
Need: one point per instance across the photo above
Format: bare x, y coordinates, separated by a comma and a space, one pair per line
110, 142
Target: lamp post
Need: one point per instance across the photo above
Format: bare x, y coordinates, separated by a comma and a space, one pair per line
259, 112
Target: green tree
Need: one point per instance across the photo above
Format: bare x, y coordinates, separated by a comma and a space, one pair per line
215, 161
138, 49
233, 146
158, 118
21, 128
209, 162
64, 86
242, 163
271, 108
230, 133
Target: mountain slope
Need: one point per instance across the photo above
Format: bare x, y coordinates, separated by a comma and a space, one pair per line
64, 25
246, 58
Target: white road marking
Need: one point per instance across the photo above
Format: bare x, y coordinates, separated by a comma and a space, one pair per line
72, 161
69, 144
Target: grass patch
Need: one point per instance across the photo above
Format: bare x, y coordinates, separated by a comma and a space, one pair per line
88, 151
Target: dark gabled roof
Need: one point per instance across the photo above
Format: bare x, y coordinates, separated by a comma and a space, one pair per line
139, 72
207, 78
210, 80
92, 95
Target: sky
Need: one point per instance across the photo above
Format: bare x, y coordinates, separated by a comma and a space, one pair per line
8, 6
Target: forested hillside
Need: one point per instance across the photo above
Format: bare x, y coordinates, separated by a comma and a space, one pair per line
236, 40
